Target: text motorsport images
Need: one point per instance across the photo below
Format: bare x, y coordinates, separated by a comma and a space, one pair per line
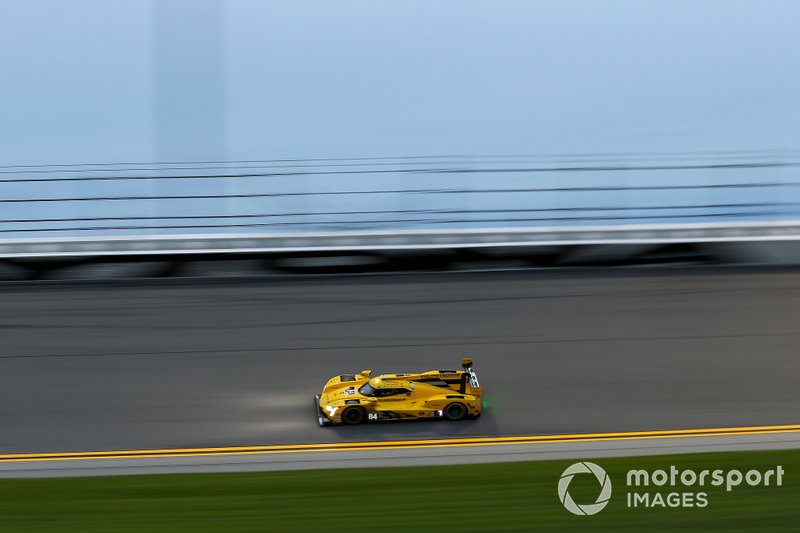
644, 488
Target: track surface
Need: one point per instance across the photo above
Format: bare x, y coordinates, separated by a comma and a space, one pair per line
154, 365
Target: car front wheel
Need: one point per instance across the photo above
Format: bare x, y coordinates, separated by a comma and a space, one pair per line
353, 415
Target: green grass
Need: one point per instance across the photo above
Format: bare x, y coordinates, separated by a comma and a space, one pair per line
481, 497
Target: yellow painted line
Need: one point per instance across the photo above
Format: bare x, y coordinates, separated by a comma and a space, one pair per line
398, 445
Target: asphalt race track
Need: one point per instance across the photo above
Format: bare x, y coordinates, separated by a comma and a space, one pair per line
135, 365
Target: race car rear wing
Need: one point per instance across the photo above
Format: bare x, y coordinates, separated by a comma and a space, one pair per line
469, 380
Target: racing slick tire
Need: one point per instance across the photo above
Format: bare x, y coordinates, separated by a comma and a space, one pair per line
455, 411
353, 415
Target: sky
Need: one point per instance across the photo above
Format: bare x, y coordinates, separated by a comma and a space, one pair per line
94, 81
365, 78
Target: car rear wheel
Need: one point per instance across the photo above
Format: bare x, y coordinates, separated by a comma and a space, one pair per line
353, 415
455, 411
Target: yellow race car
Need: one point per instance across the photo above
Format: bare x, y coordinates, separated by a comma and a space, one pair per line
357, 398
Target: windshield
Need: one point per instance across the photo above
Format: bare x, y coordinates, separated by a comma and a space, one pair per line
367, 390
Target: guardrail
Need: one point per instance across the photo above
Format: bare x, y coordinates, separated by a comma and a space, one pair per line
398, 240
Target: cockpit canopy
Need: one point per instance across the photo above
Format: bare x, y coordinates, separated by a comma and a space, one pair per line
380, 388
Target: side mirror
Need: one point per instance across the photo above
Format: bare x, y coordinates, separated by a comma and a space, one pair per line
366, 373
